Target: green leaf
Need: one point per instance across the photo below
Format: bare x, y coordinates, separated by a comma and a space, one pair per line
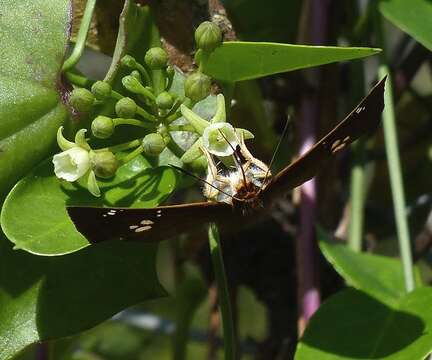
413, 17
33, 39
50, 297
353, 325
236, 61
43, 226
379, 276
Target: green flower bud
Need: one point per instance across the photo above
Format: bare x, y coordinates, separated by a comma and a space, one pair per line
136, 74
126, 108
104, 163
165, 100
102, 127
128, 61
81, 99
156, 58
132, 84
101, 90
197, 86
153, 144
208, 36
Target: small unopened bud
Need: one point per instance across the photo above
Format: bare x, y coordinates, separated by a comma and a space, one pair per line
126, 108
132, 84
104, 164
153, 144
208, 36
164, 100
156, 58
197, 86
128, 61
101, 90
102, 127
136, 75
81, 99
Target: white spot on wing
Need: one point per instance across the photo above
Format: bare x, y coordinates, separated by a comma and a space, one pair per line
143, 228
147, 222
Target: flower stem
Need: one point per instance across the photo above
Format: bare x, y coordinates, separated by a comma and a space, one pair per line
224, 299
133, 122
132, 155
116, 95
146, 115
145, 73
393, 161
81, 37
121, 147
78, 80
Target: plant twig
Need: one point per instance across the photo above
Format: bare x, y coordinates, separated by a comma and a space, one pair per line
223, 295
81, 37
358, 176
396, 181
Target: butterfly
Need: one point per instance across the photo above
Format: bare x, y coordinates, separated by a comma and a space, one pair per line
255, 190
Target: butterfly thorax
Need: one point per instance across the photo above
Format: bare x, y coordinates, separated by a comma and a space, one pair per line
239, 187
247, 200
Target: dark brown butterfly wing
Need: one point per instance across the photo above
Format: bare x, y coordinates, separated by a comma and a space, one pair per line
146, 225
150, 225
363, 120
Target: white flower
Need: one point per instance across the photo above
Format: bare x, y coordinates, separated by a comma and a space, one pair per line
71, 164
217, 138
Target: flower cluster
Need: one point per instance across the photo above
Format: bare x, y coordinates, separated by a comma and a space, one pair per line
147, 101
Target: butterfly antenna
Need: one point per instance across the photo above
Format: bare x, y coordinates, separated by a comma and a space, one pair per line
236, 158
275, 152
202, 180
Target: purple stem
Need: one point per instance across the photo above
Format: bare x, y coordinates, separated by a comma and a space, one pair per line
315, 32
306, 242
42, 351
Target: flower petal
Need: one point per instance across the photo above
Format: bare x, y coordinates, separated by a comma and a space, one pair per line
220, 139
71, 164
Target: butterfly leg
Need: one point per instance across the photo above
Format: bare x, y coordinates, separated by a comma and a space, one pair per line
220, 191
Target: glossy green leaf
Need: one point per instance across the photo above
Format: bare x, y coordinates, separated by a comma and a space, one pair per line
33, 37
413, 17
354, 325
379, 276
50, 297
236, 61
34, 214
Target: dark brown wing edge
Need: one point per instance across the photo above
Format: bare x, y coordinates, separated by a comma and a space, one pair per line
145, 225
363, 120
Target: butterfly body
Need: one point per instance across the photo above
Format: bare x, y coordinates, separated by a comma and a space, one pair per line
238, 197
